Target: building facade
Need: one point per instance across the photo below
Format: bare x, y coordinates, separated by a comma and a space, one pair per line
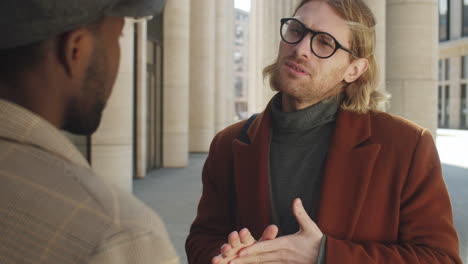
453, 64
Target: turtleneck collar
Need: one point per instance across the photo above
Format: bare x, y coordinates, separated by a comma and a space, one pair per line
311, 117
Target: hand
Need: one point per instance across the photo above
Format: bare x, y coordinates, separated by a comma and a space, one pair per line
301, 247
239, 241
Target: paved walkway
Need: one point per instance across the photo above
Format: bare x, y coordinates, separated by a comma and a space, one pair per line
174, 193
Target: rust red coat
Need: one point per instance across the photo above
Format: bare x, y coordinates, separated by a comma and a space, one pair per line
383, 198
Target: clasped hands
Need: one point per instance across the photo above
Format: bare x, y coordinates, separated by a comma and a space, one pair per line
301, 247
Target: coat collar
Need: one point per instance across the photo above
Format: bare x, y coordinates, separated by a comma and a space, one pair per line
348, 169
19, 125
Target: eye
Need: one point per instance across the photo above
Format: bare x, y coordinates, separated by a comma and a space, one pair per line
326, 41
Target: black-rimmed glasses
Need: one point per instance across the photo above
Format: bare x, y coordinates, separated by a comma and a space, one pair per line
322, 44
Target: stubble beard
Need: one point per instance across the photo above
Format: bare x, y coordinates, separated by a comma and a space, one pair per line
84, 114
314, 90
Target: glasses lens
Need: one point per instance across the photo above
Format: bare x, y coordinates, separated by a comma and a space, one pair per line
292, 31
323, 45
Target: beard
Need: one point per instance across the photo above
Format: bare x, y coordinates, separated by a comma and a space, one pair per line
317, 87
84, 113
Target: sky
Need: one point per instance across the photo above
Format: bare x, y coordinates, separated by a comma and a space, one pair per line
242, 4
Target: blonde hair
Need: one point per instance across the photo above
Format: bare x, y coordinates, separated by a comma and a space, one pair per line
361, 95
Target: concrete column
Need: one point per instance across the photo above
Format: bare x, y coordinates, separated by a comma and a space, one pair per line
270, 27
230, 105
378, 7
176, 45
142, 100
253, 56
221, 64
202, 77
112, 144
262, 51
412, 70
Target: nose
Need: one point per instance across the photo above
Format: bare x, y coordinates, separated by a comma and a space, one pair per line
302, 49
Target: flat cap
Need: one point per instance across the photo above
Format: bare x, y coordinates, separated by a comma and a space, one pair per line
25, 22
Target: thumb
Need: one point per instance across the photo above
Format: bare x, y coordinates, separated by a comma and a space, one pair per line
305, 222
270, 233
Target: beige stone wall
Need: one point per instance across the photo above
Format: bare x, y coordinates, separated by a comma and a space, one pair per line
412, 69
141, 136
202, 75
112, 144
176, 83
378, 7
229, 91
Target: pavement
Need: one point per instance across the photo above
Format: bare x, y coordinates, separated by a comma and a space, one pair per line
174, 193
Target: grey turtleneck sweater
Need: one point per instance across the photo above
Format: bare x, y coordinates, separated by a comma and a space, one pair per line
299, 147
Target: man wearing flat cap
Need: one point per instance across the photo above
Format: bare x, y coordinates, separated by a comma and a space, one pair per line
58, 64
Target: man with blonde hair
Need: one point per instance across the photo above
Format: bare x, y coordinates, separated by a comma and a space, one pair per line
365, 186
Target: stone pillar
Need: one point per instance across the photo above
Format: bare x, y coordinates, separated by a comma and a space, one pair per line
112, 144
412, 70
141, 100
253, 56
229, 94
221, 64
176, 45
270, 27
378, 7
202, 77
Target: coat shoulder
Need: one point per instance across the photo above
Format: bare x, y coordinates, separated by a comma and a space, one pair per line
228, 134
392, 127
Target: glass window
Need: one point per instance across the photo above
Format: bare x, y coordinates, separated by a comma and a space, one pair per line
444, 20
463, 108
465, 18
447, 69
441, 70
447, 107
439, 107
238, 85
464, 69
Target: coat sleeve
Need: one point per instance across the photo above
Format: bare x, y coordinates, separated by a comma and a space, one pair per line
426, 230
216, 216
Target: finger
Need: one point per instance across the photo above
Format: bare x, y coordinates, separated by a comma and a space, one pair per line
263, 247
267, 257
270, 233
234, 239
305, 222
245, 237
226, 250
216, 260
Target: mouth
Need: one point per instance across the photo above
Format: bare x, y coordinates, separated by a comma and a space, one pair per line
295, 68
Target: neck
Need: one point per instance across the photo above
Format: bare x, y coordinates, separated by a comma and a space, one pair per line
290, 104
37, 97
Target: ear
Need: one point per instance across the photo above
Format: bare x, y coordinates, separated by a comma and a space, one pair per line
76, 51
355, 70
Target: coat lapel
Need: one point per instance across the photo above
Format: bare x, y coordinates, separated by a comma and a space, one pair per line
349, 166
250, 164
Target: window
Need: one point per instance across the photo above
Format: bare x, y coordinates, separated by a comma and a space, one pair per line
447, 69
441, 70
447, 107
439, 108
238, 85
465, 18
463, 108
464, 69
444, 20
